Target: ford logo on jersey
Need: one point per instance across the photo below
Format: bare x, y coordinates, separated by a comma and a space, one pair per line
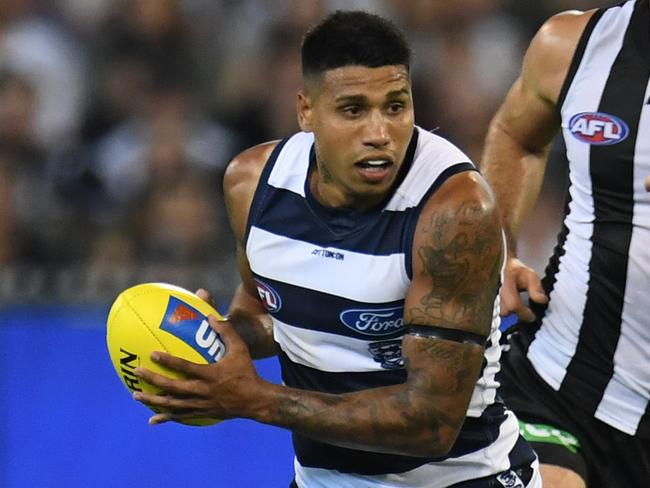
377, 322
270, 298
193, 328
598, 128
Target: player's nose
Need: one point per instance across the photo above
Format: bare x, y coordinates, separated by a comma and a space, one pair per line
377, 134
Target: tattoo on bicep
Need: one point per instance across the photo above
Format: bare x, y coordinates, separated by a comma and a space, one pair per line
461, 256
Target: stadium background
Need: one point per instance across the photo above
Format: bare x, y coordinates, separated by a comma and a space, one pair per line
116, 120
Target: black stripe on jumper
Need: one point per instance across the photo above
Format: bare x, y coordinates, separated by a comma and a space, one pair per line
612, 172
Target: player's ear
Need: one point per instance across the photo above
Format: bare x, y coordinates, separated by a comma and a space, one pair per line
304, 110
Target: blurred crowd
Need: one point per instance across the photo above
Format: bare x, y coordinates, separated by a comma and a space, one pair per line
117, 118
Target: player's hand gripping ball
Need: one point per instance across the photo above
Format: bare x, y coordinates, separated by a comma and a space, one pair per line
160, 317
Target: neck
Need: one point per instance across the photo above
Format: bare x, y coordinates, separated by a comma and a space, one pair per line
324, 189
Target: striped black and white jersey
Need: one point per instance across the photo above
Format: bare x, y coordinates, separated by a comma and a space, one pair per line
593, 345
334, 282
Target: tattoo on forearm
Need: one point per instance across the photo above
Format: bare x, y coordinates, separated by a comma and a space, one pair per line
455, 364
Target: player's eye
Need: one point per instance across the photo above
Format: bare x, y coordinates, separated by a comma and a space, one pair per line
352, 110
395, 107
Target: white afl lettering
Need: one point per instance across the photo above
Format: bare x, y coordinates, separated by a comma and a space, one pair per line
267, 297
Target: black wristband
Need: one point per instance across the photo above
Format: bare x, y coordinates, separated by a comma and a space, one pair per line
455, 335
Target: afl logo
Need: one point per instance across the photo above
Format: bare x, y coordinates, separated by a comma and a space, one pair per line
379, 322
270, 298
598, 128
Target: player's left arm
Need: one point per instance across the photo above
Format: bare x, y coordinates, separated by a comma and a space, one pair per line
457, 256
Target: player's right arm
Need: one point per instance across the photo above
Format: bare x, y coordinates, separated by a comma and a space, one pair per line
518, 143
247, 315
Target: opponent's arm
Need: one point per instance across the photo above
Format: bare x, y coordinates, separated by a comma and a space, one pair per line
519, 140
457, 255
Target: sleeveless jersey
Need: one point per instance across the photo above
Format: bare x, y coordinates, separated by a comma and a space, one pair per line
593, 345
334, 283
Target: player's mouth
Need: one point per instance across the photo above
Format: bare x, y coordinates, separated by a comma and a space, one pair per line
374, 170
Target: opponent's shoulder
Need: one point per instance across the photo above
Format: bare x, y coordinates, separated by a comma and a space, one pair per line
240, 182
551, 50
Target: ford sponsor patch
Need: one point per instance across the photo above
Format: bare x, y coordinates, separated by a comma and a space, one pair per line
598, 128
374, 322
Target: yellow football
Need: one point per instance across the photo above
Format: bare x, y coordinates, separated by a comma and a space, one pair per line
160, 317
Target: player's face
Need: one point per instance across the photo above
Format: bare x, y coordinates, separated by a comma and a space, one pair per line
362, 119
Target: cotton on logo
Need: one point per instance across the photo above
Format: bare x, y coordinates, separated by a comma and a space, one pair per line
269, 296
598, 128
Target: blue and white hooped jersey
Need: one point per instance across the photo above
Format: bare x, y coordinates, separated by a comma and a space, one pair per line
334, 283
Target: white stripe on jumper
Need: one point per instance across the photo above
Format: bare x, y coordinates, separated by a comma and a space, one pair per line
324, 351
291, 261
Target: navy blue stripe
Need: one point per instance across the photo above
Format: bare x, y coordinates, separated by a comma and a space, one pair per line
521, 454
385, 238
299, 305
410, 232
257, 204
612, 177
476, 434
306, 378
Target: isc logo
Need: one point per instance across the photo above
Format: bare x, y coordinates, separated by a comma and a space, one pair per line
598, 128
269, 296
193, 328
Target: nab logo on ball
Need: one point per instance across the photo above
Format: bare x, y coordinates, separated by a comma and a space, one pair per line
269, 296
192, 327
598, 128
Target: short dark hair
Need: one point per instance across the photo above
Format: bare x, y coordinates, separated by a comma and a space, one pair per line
349, 38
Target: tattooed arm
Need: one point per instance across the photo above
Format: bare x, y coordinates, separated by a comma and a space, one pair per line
457, 255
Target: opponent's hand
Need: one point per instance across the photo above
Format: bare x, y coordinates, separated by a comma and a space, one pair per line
223, 390
519, 277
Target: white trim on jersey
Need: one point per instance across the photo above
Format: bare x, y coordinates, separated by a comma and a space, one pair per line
297, 148
284, 259
435, 154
